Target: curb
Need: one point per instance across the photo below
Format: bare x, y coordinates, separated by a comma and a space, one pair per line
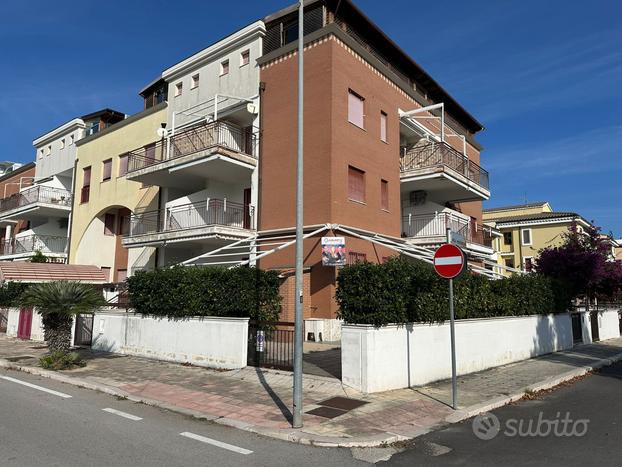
301, 437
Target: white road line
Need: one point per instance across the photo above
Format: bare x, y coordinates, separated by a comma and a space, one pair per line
219, 444
34, 386
122, 414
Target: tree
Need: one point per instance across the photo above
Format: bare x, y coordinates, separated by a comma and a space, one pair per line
583, 263
58, 302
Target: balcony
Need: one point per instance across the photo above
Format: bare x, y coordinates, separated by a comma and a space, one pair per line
437, 168
214, 218
36, 202
218, 150
26, 246
431, 229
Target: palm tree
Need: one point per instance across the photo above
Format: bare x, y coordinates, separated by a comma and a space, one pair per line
58, 302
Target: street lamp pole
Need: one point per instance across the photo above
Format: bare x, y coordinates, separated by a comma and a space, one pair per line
298, 337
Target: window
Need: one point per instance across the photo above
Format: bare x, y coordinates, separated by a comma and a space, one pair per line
507, 238
49, 150
528, 264
40, 153
72, 139
356, 184
195, 81
354, 257
383, 127
122, 165
109, 224
525, 236
356, 106
224, 68
290, 32
107, 170
245, 57
179, 87
86, 185
509, 262
62, 143
124, 225
384, 195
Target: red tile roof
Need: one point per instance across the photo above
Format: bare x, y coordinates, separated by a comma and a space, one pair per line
22, 271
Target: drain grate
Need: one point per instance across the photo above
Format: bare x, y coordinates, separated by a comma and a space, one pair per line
327, 412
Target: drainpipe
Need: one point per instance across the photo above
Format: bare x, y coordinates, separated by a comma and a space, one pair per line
73, 200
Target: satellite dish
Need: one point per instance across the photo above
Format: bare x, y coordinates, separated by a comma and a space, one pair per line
161, 132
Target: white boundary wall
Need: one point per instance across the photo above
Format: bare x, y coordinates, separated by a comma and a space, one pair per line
36, 329
394, 357
214, 342
608, 324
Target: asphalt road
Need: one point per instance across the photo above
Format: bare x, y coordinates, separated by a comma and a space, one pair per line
39, 428
588, 414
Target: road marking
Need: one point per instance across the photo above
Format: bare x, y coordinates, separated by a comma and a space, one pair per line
34, 386
122, 414
219, 444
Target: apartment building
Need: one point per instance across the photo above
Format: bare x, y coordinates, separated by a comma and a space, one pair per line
106, 198
14, 178
45, 203
388, 152
528, 228
206, 163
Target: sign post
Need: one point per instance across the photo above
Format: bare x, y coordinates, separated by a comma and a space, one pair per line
449, 262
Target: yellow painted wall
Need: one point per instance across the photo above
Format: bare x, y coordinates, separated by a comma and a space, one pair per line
89, 245
516, 211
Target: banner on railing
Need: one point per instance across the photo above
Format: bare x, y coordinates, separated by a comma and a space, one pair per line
333, 251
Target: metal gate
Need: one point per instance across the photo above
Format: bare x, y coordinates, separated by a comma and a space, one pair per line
24, 326
84, 330
271, 344
577, 328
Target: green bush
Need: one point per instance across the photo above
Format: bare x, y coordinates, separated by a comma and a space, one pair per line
61, 361
180, 292
401, 291
10, 293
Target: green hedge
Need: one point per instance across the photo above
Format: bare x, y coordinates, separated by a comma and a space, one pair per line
10, 293
401, 291
180, 292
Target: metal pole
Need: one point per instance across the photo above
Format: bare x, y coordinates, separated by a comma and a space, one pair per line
297, 412
452, 331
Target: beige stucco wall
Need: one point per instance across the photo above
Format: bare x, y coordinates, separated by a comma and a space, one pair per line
542, 236
89, 245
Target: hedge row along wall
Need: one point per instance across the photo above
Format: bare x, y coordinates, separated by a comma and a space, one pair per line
404, 291
180, 292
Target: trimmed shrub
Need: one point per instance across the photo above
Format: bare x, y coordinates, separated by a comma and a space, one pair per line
401, 291
181, 292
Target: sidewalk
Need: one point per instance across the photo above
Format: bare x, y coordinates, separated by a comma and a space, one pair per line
260, 400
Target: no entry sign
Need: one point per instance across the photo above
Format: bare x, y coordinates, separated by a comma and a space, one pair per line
449, 261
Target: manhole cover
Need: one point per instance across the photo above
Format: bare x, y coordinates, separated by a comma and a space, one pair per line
327, 412
343, 403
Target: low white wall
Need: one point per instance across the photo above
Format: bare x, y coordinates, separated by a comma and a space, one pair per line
208, 341
394, 357
608, 324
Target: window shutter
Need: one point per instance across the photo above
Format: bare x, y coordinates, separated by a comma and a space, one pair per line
122, 165
109, 224
384, 195
87, 177
356, 109
107, 172
383, 127
356, 184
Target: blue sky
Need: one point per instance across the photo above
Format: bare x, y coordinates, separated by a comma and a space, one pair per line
544, 77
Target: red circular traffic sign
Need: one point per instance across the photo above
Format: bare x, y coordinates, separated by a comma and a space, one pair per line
449, 261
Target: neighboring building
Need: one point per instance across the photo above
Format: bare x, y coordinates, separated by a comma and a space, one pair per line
528, 228
106, 198
618, 249
8, 166
207, 165
45, 204
11, 182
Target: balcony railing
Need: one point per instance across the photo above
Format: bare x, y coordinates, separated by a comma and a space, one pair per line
36, 194
436, 225
437, 154
33, 243
192, 140
190, 216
